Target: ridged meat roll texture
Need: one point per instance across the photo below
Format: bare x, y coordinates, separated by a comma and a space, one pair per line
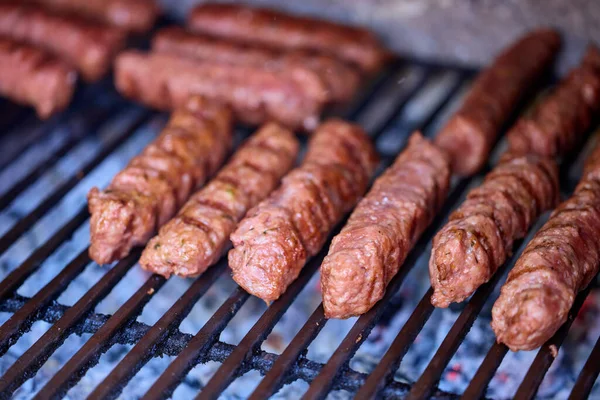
294, 96
288, 32
558, 122
341, 79
559, 262
32, 76
480, 234
196, 238
148, 192
470, 134
88, 46
132, 15
383, 228
273, 242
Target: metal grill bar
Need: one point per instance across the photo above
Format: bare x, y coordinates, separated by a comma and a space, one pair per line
587, 377
27, 222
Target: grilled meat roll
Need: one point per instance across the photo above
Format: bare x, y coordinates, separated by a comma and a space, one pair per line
558, 122
480, 234
88, 46
32, 76
131, 15
288, 32
341, 79
146, 194
294, 97
196, 238
383, 228
559, 262
471, 132
273, 242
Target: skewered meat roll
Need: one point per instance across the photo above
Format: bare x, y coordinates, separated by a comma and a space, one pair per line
341, 80
480, 234
559, 121
294, 96
273, 242
559, 262
196, 238
470, 134
288, 32
147, 193
31, 76
383, 228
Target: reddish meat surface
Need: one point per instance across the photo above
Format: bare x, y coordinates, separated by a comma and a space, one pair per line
288, 32
480, 234
88, 46
156, 183
32, 76
341, 80
470, 134
294, 96
197, 237
273, 242
385, 225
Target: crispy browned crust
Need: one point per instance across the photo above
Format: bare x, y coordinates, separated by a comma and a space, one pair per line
273, 242
32, 76
88, 46
557, 124
480, 234
147, 193
289, 32
294, 97
197, 237
385, 225
470, 134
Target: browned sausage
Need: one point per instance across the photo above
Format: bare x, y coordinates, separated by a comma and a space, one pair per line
383, 228
31, 76
131, 15
147, 193
196, 238
560, 119
558, 263
470, 134
273, 242
480, 233
341, 80
293, 97
88, 46
288, 32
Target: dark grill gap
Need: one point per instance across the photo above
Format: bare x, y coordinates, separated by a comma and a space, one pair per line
377, 108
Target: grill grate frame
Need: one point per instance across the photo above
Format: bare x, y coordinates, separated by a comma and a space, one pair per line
378, 107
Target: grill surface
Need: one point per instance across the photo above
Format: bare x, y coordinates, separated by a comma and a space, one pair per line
382, 110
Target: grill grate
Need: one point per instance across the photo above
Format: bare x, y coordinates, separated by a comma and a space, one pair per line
378, 108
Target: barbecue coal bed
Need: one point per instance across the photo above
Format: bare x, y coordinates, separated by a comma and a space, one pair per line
71, 328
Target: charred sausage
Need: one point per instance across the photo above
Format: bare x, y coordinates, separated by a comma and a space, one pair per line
470, 134
32, 76
383, 228
131, 15
288, 32
88, 46
341, 80
480, 234
196, 238
146, 194
273, 242
559, 262
559, 121
293, 97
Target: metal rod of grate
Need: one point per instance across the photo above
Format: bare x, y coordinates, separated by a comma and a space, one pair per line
379, 106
